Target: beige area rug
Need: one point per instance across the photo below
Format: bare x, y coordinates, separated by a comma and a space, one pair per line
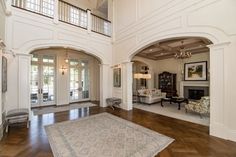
46, 110
171, 110
104, 135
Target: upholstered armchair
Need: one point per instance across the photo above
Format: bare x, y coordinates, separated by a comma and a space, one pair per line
201, 107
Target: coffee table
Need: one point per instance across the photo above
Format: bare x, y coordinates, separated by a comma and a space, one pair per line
178, 100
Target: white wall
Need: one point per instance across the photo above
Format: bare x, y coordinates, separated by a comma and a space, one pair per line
2, 19
140, 23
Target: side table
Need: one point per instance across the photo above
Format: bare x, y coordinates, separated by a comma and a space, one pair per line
17, 116
113, 102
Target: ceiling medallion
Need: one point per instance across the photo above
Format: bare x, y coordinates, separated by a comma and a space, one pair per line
182, 54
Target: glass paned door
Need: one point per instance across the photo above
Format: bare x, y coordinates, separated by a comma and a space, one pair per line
79, 81
48, 85
74, 84
34, 85
42, 80
85, 79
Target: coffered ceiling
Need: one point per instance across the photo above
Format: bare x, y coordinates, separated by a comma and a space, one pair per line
168, 48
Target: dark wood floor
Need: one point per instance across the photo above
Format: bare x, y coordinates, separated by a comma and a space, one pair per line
191, 140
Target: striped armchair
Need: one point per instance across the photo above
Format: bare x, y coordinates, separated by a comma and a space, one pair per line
201, 107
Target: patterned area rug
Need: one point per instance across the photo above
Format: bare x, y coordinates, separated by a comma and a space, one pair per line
104, 135
46, 110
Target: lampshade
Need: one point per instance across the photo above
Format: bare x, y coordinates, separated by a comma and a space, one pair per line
138, 75
147, 76
142, 76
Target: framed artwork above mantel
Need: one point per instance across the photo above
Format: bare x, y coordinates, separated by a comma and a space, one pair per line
195, 71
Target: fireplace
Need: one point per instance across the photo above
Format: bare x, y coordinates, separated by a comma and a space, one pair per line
195, 92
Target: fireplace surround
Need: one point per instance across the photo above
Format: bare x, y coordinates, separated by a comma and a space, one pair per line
195, 92
198, 89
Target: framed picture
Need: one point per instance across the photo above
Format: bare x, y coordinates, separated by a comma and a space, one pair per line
117, 77
195, 71
4, 74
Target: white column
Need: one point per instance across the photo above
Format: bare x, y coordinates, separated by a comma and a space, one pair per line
217, 90
127, 80
1, 127
89, 20
24, 80
56, 16
105, 86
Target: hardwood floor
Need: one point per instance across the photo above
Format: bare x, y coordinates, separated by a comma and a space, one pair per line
191, 140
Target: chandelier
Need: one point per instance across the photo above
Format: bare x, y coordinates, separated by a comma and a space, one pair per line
182, 53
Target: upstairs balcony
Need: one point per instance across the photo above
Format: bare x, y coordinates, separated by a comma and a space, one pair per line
61, 11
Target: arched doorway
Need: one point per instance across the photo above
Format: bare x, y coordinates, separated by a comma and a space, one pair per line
61, 76
175, 57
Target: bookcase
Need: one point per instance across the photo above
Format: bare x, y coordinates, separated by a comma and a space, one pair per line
167, 83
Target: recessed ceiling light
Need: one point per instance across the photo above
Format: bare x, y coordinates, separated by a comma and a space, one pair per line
150, 50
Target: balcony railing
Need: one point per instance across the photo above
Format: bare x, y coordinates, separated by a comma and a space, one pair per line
100, 25
42, 7
72, 14
67, 13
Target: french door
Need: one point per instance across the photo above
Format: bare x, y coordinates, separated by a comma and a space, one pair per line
42, 80
79, 80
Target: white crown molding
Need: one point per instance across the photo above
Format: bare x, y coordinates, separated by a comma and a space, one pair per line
219, 45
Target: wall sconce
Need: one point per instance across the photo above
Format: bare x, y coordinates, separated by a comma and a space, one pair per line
63, 69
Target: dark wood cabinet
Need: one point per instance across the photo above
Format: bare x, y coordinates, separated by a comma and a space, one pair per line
167, 83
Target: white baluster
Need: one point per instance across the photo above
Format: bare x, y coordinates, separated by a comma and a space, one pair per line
55, 18
89, 22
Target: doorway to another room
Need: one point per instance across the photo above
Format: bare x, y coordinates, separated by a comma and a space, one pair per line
60, 76
178, 85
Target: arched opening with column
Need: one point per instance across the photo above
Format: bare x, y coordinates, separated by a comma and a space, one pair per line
19, 84
217, 53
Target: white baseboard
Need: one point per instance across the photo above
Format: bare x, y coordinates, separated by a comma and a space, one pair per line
221, 131
232, 135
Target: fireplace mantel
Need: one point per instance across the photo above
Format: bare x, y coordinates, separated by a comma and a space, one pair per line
192, 83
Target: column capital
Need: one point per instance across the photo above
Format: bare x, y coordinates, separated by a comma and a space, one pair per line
127, 62
101, 65
219, 45
2, 45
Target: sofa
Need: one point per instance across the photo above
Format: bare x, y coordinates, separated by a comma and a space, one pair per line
150, 96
